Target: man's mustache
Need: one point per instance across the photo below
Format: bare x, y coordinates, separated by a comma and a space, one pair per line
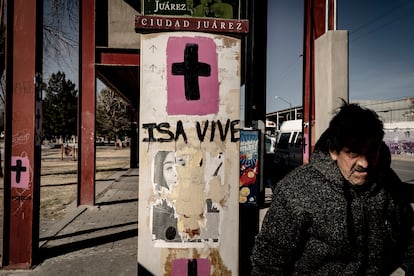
359, 169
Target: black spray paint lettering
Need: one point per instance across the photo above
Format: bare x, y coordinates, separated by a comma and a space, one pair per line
223, 132
21, 197
163, 128
167, 135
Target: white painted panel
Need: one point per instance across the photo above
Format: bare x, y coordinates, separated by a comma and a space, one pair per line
194, 214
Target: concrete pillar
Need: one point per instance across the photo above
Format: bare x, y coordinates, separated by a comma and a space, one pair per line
315, 24
331, 76
189, 154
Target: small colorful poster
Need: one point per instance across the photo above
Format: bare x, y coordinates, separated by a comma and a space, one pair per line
249, 166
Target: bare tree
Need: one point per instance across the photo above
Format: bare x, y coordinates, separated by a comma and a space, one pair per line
60, 34
112, 119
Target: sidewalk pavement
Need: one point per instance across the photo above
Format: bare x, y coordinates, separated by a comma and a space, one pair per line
94, 240
99, 240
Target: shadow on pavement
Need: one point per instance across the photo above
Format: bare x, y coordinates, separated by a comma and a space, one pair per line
47, 253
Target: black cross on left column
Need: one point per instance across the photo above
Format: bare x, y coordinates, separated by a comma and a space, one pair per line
18, 169
191, 69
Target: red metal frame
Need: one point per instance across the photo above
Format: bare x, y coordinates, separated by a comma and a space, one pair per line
124, 59
22, 61
22, 199
314, 27
86, 106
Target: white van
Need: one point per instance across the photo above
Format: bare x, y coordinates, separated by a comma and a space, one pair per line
289, 147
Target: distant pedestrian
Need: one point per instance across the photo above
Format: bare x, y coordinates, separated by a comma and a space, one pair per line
344, 213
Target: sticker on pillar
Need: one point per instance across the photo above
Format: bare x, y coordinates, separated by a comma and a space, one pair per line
165, 173
212, 215
306, 152
163, 215
192, 76
20, 173
164, 222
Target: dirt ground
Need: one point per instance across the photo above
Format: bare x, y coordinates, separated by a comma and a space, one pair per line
58, 185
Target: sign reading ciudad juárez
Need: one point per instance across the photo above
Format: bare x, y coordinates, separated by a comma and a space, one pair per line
192, 15
191, 24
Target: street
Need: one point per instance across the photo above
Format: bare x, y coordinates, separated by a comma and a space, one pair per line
404, 167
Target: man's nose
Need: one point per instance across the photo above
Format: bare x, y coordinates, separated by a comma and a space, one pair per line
362, 161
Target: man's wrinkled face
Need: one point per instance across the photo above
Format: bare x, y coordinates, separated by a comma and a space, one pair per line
357, 167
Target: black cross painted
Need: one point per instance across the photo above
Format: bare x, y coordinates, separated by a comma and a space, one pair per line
18, 169
191, 69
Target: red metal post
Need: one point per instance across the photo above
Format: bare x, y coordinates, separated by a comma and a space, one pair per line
86, 106
23, 125
314, 27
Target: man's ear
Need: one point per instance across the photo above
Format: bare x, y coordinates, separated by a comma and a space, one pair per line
333, 154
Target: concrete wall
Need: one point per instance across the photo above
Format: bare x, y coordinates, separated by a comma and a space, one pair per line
121, 25
190, 208
331, 76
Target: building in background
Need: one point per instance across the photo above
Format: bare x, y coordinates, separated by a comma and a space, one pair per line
392, 111
397, 116
278, 117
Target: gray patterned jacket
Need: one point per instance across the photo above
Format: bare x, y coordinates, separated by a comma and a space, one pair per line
318, 224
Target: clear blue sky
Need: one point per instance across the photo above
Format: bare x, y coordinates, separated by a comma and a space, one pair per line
381, 49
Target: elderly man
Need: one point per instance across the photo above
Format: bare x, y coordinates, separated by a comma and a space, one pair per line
344, 212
